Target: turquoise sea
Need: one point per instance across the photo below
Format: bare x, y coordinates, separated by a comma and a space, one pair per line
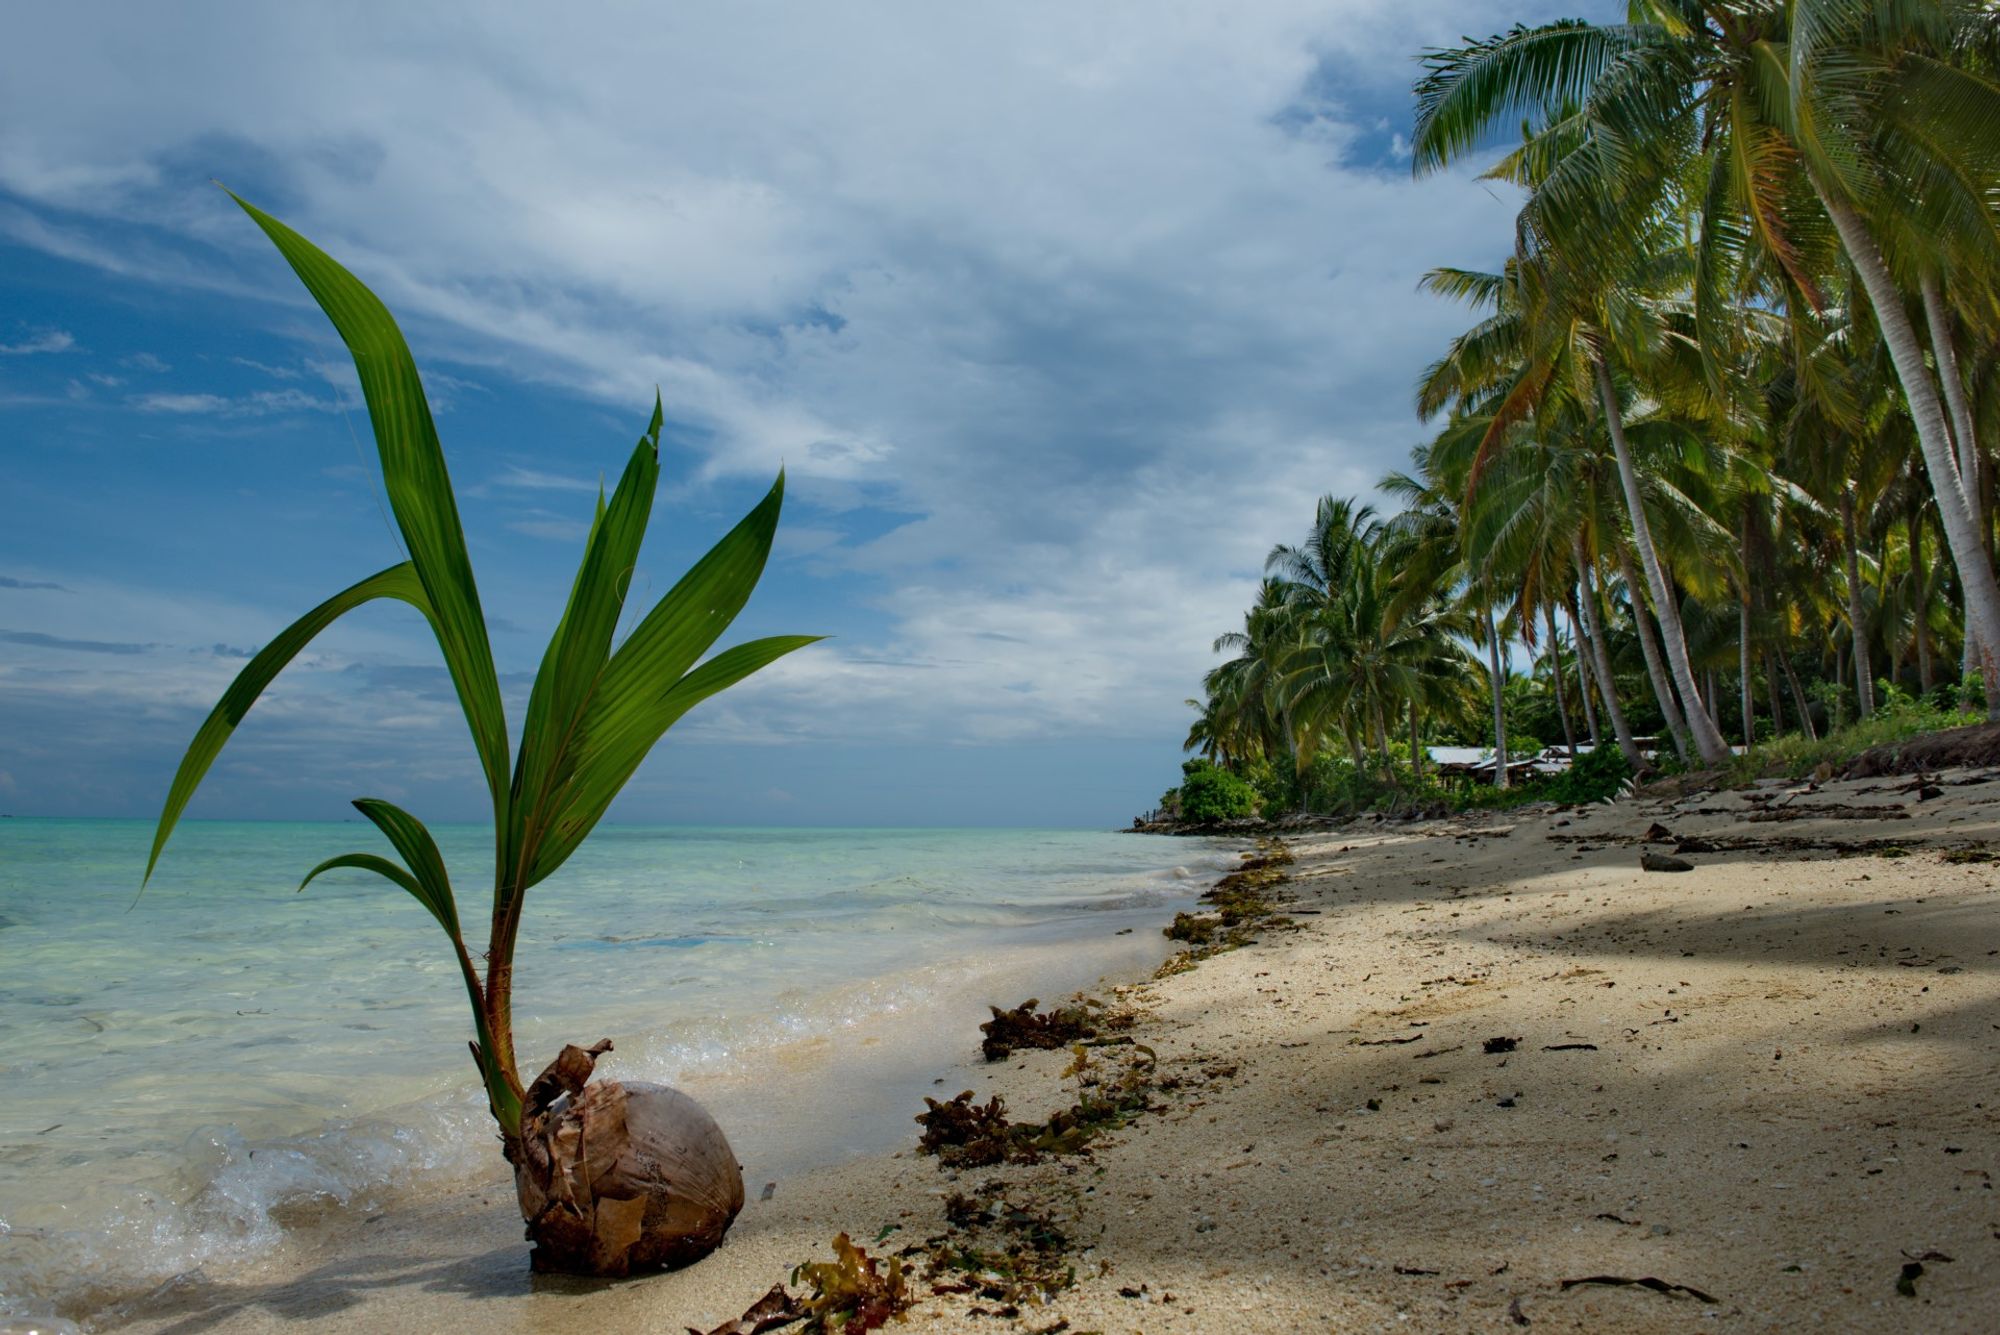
183, 1072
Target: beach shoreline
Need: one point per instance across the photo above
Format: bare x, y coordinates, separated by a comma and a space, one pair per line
1488, 1058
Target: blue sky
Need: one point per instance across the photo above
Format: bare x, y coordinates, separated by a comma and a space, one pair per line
1058, 317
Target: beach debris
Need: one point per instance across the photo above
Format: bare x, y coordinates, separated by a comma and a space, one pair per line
1389, 1042
1960, 856
998, 1250
1024, 1027
1499, 1044
1913, 1269
776, 1308
964, 1134
1657, 833
1569, 1047
1515, 1314
623, 1177
1827, 811
1657, 1285
851, 1293
1664, 862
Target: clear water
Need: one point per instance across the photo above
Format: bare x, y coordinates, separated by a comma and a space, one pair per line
180, 1072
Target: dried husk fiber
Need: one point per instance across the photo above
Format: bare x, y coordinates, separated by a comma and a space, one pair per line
621, 1177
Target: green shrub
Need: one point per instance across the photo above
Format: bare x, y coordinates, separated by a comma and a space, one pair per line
1596, 775
1210, 794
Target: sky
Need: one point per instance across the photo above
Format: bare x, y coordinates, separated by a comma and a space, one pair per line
1057, 316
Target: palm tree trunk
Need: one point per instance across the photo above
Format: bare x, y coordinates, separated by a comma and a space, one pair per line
1962, 529
1601, 658
1585, 677
1920, 583
1799, 698
1707, 737
1965, 434
1562, 691
1499, 709
1416, 751
1746, 693
1864, 674
1774, 686
1649, 649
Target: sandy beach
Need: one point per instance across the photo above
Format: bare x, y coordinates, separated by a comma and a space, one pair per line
1762, 1083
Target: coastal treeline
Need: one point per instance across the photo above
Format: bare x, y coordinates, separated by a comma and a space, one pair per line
1714, 452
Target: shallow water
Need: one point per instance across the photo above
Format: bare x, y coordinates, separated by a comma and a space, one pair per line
180, 1072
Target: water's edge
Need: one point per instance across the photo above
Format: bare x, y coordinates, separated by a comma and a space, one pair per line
800, 1077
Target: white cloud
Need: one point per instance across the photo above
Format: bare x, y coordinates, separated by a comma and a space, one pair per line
50, 340
263, 403
1101, 297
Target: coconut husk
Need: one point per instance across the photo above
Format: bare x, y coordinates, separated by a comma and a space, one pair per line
625, 1177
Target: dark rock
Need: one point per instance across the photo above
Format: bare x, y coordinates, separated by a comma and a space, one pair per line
1664, 862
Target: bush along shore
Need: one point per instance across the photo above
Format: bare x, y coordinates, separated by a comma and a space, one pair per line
1904, 737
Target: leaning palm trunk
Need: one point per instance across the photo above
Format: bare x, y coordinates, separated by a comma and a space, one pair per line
1864, 672
1649, 649
1966, 438
1707, 738
1500, 778
1962, 530
611, 1177
1806, 723
1562, 692
1585, 674
1601, 659
1965, 434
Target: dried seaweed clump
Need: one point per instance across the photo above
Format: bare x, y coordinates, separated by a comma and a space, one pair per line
999, 1252
850, 1293
1024, 1027
964, 1134
1241, 903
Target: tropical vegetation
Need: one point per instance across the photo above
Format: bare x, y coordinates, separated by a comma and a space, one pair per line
593, 713
1714, 453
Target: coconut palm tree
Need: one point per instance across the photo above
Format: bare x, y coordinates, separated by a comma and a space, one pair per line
1878, 112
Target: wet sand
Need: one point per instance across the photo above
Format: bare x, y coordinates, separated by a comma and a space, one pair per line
1770, 1080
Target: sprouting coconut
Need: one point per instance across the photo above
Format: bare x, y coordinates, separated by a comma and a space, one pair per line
616, 1177
612, 1177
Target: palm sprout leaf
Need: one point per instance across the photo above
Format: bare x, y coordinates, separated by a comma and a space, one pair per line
383, 867
398, 581
631, 705
612, 747
581, 646
419, 489
420, 854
